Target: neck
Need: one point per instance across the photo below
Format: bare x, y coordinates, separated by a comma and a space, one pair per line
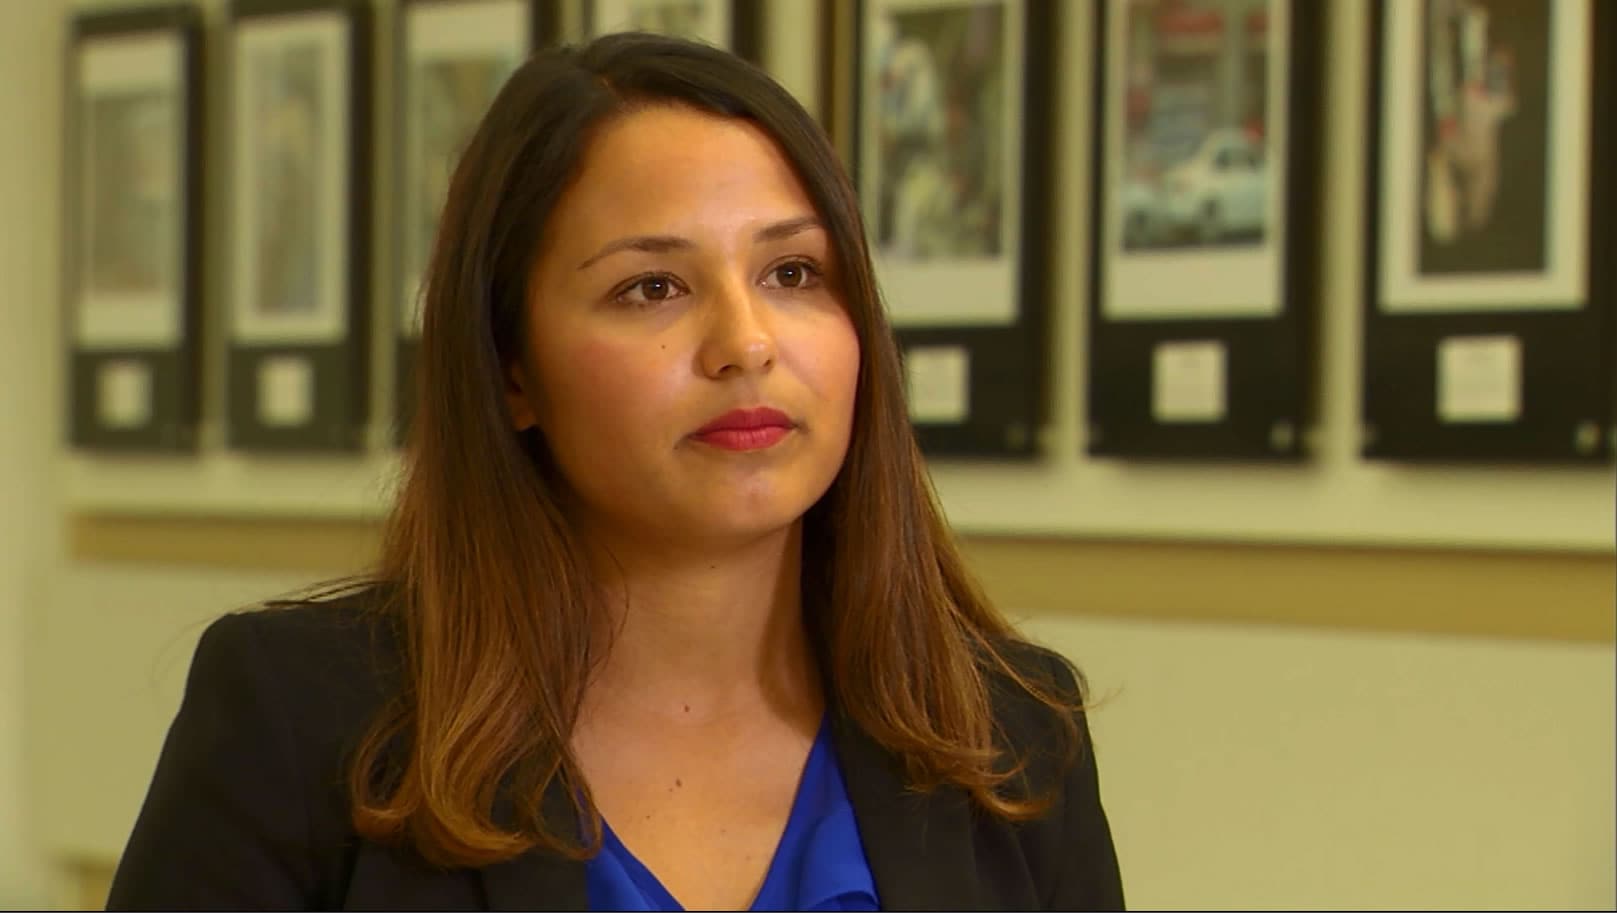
706, 635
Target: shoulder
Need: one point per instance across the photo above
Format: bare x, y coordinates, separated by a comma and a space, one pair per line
352, 623
332, 621
1036, 698
1024, 718
331, 662
305, 677
247, 805
1069, 847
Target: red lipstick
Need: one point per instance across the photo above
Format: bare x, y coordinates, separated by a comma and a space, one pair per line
746, 429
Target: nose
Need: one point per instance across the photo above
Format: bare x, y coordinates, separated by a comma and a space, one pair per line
739, 338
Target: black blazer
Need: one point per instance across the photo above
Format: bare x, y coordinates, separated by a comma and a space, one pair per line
247, 807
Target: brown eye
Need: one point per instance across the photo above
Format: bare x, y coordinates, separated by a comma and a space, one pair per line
791, 275
794, 274
649, 289
656, 288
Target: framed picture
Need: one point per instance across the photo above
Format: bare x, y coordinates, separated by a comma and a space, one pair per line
837, 27
1489, 321
133, 229
1203, 239
300, 109
454, 55
735, 25
952, 113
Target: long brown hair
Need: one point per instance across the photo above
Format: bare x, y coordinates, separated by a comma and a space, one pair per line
487, 580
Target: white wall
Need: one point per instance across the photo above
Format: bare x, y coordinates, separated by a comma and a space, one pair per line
1243, 767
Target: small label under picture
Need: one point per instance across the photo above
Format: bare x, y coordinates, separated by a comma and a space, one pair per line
124, 394
1479, 379
1188, 382
285, 391
938, 383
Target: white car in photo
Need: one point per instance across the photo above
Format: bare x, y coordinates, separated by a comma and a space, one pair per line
1220, 192
1142, 222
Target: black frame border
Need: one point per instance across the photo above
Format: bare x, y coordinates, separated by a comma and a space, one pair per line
341, 370
176, 372
1569, 358
1271, 368
1008, 397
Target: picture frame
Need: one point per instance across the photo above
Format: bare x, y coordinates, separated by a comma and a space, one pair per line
299, 318
454, 55
837, 25
735, 25
133, 173
951, 161
1204, 234
1489, 322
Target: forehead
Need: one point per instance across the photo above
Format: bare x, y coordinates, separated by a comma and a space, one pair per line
670, 168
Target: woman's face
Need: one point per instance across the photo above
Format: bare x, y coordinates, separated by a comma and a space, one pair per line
690, 363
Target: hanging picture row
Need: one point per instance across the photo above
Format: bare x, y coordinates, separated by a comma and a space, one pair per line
1204, 281
133, 204
1489, 329
1488, 313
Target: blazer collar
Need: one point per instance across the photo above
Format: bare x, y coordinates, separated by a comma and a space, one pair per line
919, 847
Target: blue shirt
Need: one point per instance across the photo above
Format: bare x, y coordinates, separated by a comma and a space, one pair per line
819, 863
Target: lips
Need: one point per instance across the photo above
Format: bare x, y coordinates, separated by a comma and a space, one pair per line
748, 419
746, 429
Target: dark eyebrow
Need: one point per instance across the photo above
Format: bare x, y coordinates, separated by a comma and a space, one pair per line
783, 230
658, 244
651, 244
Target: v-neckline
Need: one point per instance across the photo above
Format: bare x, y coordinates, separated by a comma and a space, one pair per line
647, 881
913, 843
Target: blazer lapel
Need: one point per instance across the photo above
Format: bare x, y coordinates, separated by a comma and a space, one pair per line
538, 880
919, 846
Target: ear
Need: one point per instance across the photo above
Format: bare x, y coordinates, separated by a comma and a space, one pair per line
517, 402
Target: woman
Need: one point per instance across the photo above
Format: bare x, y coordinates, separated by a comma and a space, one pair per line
666, 613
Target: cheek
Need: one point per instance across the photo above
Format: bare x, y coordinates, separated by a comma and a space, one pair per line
839, 366
601, 395
825, 358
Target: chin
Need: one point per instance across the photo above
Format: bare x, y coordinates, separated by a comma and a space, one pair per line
740, 523
741, 530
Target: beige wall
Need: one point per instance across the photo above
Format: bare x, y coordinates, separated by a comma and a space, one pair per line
1250, 759
25, 421
1257, 768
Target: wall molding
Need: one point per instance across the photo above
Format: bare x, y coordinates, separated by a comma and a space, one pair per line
1542, 595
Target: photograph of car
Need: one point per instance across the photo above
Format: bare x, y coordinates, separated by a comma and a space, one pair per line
1194, 165
1219, 193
